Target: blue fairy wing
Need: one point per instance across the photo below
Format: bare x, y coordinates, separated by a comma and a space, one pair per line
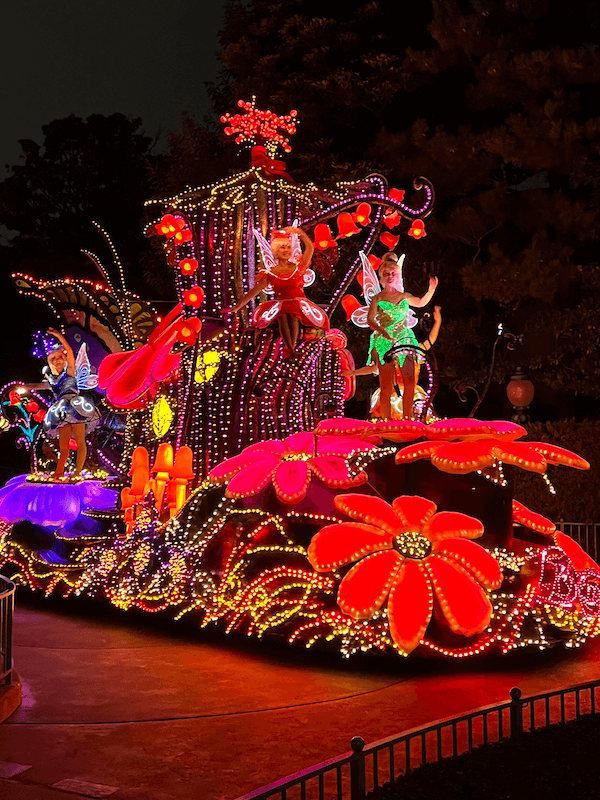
83, 371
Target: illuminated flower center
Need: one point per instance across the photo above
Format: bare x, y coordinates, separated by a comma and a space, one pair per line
296, 457
412, 545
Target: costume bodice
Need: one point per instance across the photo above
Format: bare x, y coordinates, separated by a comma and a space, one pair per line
285, 287
393, 316
62, 385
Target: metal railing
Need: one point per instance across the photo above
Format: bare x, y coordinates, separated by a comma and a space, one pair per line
362, 769
584, 534
7, 598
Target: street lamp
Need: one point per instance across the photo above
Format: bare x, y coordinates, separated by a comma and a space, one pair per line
520, 392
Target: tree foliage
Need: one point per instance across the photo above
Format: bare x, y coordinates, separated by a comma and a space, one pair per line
84, 170
494, 101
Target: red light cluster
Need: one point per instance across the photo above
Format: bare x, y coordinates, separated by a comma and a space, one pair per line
260, 126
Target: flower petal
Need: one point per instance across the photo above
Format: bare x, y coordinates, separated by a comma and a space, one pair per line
464, 604
303, 442
364, 589
577, 555
274, 446
342, 426
520, 454
507, 431
410, 606
398, 430
369, 509
413, 511
457, 428
460, 458
474, 558
344, 542
558, 455
530, 519
290, 480
416, 451
252, 479
338, 446
452, 524
226, 469
335, 472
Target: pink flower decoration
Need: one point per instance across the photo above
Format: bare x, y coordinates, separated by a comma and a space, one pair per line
375, 432
290, 464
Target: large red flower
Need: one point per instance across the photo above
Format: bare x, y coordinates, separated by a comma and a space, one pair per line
408, 555
480, 444
290, 464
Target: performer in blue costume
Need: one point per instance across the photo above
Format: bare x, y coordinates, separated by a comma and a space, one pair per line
388, 317
72, 414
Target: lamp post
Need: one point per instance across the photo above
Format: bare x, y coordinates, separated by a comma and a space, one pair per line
520, 392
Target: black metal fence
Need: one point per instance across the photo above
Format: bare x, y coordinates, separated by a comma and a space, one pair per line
7, 597
584, 534
351, 775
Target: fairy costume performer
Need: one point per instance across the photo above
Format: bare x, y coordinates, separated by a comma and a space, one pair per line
72, 414
286, 271
391, 319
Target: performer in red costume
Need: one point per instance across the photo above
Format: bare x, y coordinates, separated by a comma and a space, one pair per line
286, 268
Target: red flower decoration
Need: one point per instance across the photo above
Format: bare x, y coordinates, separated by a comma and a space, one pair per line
483, 444
188, 266
39, 415
31, 406
15, 398
188, 330
169, 225
417, 229
392, 219
407, 553
389, 240
397, 195
184, 235
193, 297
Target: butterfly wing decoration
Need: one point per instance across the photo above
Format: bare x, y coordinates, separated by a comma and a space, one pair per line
297, 250
83, 371
268, 259
309, 277
371, 287
411, 317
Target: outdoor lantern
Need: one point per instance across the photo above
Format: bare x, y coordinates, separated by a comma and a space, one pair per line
520, 392
346, 226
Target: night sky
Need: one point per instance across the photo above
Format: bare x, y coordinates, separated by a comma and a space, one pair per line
147, 60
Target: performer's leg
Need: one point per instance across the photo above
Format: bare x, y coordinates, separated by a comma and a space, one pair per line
386, 387
408, 393
64, 434
294, 329
79, 436
284, 330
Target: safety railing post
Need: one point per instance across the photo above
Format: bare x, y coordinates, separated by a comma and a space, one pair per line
357, 770
516, 712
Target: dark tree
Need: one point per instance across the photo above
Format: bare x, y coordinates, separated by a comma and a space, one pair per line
84, 170
495, 103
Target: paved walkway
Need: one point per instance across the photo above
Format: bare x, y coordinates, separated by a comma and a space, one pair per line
121, 705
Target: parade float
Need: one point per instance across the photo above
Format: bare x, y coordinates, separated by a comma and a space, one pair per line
223, 481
